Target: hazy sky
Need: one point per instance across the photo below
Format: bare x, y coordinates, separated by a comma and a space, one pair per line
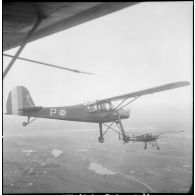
142, 46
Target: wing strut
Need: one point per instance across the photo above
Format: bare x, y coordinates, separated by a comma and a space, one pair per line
34, 28
126, 103
46, 64
118, 123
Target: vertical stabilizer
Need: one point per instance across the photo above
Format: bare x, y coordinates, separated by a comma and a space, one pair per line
18, 98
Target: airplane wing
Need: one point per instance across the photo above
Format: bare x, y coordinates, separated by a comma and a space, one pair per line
144, 92
19, 18
156, 133
166, 132
28, 110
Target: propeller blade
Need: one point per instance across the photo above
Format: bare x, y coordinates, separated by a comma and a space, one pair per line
46, 64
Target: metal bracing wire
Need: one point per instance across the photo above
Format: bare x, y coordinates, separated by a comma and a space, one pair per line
113, 129
119, 104
128, 103
109, 127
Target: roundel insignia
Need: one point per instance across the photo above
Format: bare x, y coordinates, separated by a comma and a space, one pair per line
62, 112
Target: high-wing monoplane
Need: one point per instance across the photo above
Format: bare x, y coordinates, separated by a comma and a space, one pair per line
19, 102
148, 138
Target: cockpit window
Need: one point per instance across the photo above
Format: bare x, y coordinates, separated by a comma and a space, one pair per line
108, 106
104, 107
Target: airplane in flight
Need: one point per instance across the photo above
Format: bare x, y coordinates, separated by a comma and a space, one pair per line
19, 102
150, 137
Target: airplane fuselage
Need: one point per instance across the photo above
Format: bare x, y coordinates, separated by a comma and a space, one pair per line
146, 138
77, 113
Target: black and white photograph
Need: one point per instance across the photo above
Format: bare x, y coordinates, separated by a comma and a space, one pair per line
97, 97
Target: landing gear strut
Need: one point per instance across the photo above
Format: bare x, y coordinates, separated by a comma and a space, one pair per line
119, 136
28, 121
101, 138
145, 147
120, 126
122, 134
24, 124
158, 148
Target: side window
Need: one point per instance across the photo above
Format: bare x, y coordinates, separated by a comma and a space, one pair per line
103, 107
90, 108
95, 108
99, 107
111, 106
107, 106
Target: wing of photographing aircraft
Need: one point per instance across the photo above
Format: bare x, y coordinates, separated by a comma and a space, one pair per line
19, 18
144, 92
24, 22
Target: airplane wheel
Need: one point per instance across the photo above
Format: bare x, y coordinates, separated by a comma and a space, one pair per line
24, 123
126, 139
101, 139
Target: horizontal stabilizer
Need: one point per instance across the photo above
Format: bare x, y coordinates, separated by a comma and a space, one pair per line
31, 109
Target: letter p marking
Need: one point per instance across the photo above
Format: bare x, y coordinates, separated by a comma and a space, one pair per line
53, 111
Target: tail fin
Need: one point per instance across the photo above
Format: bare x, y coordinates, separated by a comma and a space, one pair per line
18, 99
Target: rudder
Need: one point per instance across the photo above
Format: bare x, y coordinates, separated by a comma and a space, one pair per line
18, 98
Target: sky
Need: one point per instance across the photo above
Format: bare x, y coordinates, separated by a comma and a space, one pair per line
139, 47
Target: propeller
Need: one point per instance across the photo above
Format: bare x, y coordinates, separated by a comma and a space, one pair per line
50, 65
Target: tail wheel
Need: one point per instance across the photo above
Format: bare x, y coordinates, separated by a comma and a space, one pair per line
101, 139
24, 123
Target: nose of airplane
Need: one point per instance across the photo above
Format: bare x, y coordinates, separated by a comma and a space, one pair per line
123, 113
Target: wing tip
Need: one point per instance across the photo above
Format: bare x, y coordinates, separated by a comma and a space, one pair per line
183, 83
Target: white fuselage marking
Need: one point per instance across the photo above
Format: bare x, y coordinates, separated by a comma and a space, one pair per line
53, 111
14, 99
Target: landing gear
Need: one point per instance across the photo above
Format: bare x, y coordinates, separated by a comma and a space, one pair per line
125, 137
118, 122
145, 147
24, 124
119, 136
28, 121
101, 138
154, 143
158, 148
